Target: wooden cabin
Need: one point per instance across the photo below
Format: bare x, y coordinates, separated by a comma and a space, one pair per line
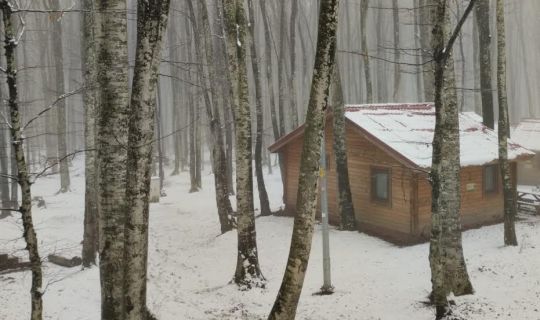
527, 134
389, 156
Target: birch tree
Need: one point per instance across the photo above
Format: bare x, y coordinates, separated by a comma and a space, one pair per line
510, 208
484, 35
23, 178
112, 124
345, 203
88, 64
151, 22
293, 280
448, 268
248, 273
367, 69
263, 195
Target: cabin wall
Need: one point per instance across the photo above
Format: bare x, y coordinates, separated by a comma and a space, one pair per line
529, 171
388, 221
477, 208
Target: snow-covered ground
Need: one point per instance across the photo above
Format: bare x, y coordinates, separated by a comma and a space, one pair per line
190, 265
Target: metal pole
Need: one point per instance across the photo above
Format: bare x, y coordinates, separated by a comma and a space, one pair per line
327, 287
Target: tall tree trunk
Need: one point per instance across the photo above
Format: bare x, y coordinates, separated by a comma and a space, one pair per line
263, 195
151, 22
61, 104
509, 192
112, 132
17, 138
346, 207
397, 48
90, 101
5, 177
425, 43
448, 268
218, 152
276, 123
418, 56
484, 34
306, 204
281, 68
177, 100
293, 106
248, 273
367, 70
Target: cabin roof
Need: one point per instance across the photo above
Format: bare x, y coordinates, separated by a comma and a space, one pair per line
406, 131
527, 134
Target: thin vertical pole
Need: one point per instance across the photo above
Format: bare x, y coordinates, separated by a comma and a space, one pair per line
327, 287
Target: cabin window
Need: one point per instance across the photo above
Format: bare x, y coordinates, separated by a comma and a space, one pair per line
491, 176
381, 185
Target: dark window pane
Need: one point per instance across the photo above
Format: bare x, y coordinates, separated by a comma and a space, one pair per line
490, 179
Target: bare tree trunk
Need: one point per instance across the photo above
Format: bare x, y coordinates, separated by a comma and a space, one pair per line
88, 64
17, 138
281, 69
177, 100
293, 106
112, 133
263, 195
367, 69
5, 177
61, 104
418, 56
293, 280
509, 191
346, 207
276, 125
484, 34
248, 273
159, 133
218, 152
151, 22
397, 47
448, 268
425, 42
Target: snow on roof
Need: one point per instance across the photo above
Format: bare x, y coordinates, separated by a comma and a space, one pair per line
527, 133
408, 129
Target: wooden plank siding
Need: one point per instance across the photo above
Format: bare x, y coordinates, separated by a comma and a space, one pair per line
407, 218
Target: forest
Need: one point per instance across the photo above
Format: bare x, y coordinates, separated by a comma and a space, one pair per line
269, 159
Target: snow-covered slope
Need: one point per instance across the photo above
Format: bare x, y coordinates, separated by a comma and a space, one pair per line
191, 265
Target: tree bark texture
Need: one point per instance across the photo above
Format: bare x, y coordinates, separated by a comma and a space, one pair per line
509, 192
61, 104
293, 280
397, 48
23, 179
345, 203
263, 195
426, 50
367, 70
248, 273
90, 101
293, 106
151, 22
484, 34
218, 152
112, 133
448, 268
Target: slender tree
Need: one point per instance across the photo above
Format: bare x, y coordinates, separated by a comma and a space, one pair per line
425, 47
218, 151
23, 178
151, 22
448, 268
397, 48
112, 132
61, 126
293, 107
510, 238
484, 51
367, 69
293, 280
346, 207
263, 195
88, 64
248, 273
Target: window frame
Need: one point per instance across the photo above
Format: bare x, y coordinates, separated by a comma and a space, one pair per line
372, 189
495, 190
